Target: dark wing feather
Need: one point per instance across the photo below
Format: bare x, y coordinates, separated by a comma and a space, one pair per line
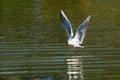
66, 24
80, 33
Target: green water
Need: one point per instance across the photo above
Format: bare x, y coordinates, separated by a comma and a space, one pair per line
32, 40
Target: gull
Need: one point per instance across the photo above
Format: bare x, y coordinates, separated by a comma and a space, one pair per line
76, 40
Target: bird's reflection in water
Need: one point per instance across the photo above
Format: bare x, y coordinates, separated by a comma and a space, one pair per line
75, 68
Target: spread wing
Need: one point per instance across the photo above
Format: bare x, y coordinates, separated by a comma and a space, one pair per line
66, 24
80, 33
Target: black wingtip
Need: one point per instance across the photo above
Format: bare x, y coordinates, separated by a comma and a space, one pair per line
62, 16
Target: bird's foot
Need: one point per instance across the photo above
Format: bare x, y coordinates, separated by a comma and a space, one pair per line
81, 46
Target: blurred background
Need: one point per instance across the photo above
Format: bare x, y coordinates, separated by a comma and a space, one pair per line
32, 40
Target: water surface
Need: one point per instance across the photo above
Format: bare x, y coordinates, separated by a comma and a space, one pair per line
32, 40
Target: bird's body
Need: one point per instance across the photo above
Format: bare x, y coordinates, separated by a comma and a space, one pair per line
80, 33
74, 43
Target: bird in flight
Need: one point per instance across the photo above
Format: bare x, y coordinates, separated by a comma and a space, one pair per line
77, 40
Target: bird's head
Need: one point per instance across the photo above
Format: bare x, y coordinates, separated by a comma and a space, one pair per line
66, 43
